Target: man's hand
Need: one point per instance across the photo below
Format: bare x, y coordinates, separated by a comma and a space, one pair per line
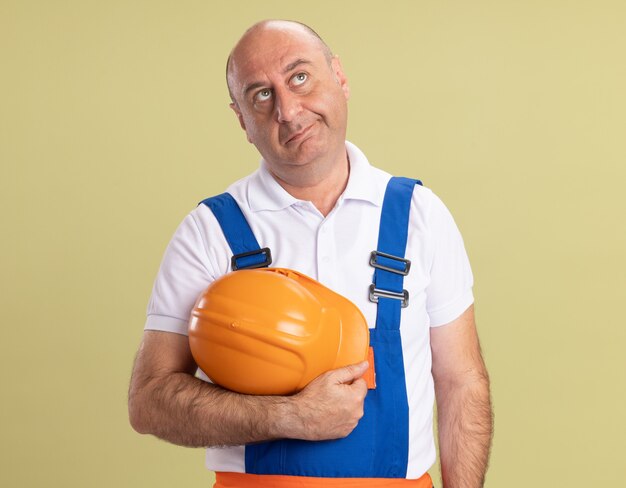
331, 405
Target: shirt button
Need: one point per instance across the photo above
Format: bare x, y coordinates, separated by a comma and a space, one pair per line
326, 259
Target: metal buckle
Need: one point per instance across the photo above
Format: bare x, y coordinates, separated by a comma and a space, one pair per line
377, 292
374, 262
263, 264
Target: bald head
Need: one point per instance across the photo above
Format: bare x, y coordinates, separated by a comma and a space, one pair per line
239, 54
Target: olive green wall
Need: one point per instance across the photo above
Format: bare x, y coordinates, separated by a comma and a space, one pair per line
114, 123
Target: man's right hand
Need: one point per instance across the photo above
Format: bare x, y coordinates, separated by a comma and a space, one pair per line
331, 405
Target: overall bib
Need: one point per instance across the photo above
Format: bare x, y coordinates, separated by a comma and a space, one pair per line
378, 446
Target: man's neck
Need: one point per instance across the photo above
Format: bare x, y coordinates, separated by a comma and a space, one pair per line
323, 188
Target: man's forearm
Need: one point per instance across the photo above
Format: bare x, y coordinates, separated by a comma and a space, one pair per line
179, 408
465, 430
184, 410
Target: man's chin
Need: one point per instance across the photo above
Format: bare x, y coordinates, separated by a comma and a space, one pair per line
306, 153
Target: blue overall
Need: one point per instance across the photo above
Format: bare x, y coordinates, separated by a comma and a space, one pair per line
378, 446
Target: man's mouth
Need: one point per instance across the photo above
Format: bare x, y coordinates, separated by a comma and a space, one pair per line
298, 135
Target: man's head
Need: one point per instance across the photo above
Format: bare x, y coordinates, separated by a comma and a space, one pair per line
289, 93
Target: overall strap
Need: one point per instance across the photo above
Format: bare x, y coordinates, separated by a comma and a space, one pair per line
391, 266
246, 250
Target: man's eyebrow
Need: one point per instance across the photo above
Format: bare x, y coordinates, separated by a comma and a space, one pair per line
295, 64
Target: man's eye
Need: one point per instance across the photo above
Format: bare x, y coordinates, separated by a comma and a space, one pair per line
299, 78
263, 95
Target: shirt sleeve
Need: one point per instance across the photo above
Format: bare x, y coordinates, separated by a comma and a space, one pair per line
449, 292
184, 273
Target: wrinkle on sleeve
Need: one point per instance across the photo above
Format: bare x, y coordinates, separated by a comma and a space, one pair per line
449, 292
184, 273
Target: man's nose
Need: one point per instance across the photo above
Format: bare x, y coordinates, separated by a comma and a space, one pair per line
286, 106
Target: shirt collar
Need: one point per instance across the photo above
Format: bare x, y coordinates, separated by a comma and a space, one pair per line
362, 183
264, 192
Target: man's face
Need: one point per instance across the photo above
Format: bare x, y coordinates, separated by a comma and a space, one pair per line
290, 100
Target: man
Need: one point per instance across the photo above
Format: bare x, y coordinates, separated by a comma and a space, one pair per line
316, 202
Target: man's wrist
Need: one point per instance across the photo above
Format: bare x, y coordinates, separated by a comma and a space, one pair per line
284, 421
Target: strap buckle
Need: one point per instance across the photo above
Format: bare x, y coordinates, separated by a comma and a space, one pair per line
374, 262
378, 292
262, 264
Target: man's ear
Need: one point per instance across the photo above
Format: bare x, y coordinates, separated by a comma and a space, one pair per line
235, 108
340, 76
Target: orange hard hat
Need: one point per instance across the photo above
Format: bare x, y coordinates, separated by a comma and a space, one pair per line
270, 331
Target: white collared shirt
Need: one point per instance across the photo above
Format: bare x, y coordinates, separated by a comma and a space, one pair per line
334, 250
